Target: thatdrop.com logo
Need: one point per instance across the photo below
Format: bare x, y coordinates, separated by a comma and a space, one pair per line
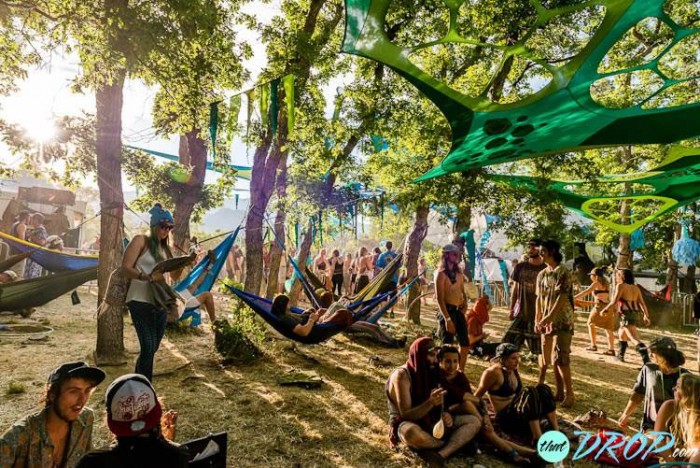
553, 446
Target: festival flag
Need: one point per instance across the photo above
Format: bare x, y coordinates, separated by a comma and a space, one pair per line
213, 125
234, 108
274, 94
288, 83
264, 103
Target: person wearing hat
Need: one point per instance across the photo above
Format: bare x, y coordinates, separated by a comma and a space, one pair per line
134, 417
519, 409
61, 433
140, 258
655, 381
8, 276
451, 300
522, 300
600, 290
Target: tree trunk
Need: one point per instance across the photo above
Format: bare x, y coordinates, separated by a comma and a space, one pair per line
192, 152
302, 255
671, 264
280, 218
108, 146
411, 254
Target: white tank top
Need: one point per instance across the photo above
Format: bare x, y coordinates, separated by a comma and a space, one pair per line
140, 290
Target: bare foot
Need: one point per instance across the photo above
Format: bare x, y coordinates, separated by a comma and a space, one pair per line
568, 402
559, 397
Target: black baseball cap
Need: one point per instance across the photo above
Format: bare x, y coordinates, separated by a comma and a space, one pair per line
504, 350
76, 369
535, 241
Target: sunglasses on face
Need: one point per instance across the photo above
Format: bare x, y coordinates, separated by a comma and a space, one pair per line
166, 227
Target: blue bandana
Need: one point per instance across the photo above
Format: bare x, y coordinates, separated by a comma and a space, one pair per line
159, 215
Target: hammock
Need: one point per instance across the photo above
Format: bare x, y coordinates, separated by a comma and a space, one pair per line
36, 292
380, 281
52, 260
262, 306
221, 251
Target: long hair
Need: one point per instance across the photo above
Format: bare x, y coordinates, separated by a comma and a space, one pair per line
279, 305
554, 248
669, 357
450, 272
603, 281
686, 420
158, 248
627, 275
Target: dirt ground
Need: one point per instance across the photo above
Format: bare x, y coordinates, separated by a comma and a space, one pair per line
344, 423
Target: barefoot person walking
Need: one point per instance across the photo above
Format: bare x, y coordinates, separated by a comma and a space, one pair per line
600, 290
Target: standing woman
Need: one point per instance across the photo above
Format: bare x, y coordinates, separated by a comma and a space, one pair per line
600, 290
632, 310
347, 274
336, 267
322, 267
140, 258
364, 268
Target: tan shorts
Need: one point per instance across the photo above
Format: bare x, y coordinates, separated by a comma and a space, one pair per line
607, 321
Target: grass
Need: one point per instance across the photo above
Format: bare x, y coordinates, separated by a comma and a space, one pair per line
15, 388
343, 423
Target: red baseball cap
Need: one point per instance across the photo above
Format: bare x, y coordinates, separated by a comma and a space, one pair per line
132, 406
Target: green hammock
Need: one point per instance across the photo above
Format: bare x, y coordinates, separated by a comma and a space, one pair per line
573, 111
674, 183
36, 292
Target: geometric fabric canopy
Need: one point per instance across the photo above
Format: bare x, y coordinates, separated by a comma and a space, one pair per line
572, 110
672, 184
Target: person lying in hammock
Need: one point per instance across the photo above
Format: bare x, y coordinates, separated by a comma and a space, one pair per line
205, 298
301, 324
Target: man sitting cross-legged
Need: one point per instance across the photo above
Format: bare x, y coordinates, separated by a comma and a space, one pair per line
416, 405
61, 433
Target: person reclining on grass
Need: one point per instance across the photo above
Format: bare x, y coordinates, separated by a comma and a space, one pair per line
134, 416
61, 433
519, 409
205, 298
460, 400
416, 404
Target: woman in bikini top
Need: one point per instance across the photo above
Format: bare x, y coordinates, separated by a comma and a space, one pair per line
509, 387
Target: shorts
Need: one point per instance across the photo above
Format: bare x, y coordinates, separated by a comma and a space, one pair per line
561, 353
630, 318
606, 321
460, 323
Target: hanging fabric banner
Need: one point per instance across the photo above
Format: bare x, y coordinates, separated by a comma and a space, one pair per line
264, 103
288, 83
296, 235
504, 276
234, 108
274, 105
213, 125
250, 97
320, 226
235, 197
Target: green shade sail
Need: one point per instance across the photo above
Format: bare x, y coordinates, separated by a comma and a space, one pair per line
242, 172
565, 114
672, 184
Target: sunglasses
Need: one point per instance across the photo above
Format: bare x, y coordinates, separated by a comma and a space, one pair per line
166, 227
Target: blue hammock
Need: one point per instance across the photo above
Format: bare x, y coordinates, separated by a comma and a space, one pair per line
320, 331
52, 260
221, 252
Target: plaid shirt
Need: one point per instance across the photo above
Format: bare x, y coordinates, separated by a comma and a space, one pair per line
27, 445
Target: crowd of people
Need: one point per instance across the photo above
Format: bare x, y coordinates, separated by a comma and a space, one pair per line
433, 407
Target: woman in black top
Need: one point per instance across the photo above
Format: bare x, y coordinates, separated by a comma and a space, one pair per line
336, 264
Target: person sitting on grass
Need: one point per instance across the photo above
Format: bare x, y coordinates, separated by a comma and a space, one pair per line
477, 317
655, 382
205, 298
416, 405
134, 416
61, 433
519, 409
681, 417
460, 400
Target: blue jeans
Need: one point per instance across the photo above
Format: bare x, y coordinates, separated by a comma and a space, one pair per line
149, 323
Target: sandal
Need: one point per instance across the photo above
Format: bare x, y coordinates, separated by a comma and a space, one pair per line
609, 352
592, 348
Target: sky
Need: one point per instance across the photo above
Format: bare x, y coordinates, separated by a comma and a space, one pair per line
46, 94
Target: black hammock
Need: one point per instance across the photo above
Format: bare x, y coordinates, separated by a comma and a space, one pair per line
36, 292
320, 331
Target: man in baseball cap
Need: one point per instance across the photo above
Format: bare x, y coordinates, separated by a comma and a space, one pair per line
134, 417
61, 433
